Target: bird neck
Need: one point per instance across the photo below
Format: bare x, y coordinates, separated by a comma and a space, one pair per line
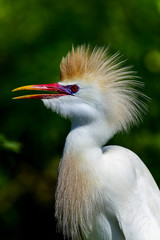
79, 179
85, 141
91, 134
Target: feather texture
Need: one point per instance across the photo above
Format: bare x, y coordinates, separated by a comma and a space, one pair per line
118, 86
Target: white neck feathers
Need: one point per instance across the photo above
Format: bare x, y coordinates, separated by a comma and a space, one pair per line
78, 183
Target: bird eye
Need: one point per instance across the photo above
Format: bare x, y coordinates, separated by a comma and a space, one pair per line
74, 88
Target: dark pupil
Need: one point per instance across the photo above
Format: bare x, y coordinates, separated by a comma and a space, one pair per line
74, 88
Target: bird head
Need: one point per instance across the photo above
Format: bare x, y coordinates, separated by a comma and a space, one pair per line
93, 86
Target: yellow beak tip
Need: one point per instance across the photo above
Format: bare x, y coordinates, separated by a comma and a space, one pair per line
15, 98
29, 87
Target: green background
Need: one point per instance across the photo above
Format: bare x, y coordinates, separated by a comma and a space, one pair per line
34, 35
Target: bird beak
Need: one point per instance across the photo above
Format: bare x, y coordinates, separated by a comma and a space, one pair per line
57, 89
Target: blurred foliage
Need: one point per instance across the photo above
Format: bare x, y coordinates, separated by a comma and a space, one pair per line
34, 35
9, 145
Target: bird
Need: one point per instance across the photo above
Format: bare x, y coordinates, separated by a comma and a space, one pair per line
104, 192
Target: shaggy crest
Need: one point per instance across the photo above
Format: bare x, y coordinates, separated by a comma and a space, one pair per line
118, 85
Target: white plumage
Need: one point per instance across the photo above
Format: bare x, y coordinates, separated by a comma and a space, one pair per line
103, 193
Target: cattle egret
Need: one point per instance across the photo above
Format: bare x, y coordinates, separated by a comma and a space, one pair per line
103, 193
